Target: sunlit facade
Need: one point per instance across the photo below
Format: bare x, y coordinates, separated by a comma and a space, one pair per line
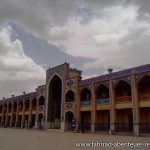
117, 102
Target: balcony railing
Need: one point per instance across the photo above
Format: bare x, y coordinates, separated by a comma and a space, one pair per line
145, 96
102, 101
86, 103
124, 99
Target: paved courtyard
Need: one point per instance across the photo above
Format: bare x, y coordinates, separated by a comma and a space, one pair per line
24, 139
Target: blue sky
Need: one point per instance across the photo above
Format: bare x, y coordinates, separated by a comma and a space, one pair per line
91, 35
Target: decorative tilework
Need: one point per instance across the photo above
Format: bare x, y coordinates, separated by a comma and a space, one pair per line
102, 101
86, 103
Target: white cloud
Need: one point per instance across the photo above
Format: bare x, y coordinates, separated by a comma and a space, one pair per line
117, 38
112, 33
18, 72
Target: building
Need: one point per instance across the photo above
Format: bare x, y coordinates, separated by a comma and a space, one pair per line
115, 102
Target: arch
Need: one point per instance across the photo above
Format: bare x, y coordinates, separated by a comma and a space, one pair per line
70, 96
40, 117
102, 92
40, 121
69, 120
34, 101
20, 105
9, 107
122, 88
41, 100
144, 87
5, 108
1, 108
27, 104
85, 94
54, 101
15, 106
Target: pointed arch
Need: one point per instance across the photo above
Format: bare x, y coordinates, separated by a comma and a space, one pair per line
41, 100
122, 92
85, 94
54, 101
102, 91
70, 96
144, 87
9, 107
122, 88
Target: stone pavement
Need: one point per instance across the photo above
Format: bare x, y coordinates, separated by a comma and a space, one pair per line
24, 139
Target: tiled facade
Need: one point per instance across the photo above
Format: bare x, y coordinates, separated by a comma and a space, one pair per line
115, 102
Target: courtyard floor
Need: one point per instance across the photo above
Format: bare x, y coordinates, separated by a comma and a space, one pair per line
24, 139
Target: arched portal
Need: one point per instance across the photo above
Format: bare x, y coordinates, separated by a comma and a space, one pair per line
85, 95
102, 92
40, 121
69, 123
54, 102
41, 101
70, 96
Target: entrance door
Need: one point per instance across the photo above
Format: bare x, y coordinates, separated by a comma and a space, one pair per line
54, 105
69, 121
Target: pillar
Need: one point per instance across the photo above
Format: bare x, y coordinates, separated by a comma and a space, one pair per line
23, 115
77, 109
2, 115
93, 111
135, 106
17, 114
11, 119
36, 115
30, 113
112, 107
6, 116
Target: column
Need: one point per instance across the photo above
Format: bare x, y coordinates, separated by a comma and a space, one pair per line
30, 113
77, 109
36, 115
23, 115
17, 114
6, 116
112, 107
2, 115
11, 119
135, 106
93, 111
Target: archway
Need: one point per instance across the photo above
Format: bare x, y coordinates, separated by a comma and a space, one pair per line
40, 121
69, 121
14, 114
123, 92
144, 88
70, 96
102, 92
85, 95
144, 96
41, 101
54, 102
